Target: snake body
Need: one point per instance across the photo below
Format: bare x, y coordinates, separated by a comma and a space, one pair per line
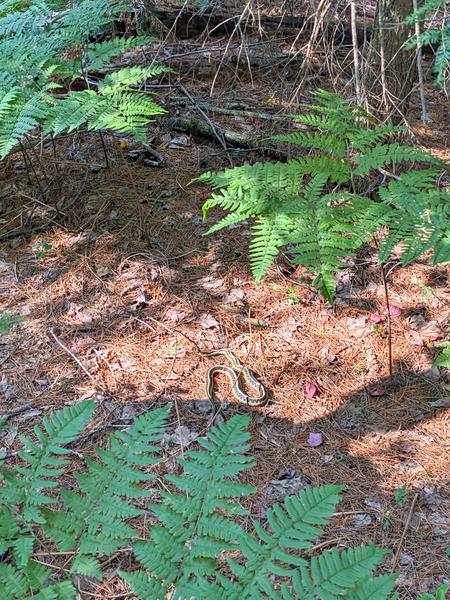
234, 373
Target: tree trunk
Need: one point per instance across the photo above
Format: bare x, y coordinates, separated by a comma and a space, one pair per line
390, 69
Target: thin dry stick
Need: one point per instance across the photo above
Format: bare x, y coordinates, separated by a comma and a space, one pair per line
105, 152
382, 59
389, 321
423, 101
216, 131
355, 52
72, 355
28, 161
405, 529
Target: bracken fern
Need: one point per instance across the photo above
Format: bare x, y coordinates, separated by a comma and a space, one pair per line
196, 548
45, 44
313, 204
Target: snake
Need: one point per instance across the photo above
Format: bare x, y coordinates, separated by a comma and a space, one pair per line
234, 373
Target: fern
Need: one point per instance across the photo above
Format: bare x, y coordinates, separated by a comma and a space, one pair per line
95, 523
195, 527
45, 42
24, 492
437, 34
43, 464
196, 549
297, 204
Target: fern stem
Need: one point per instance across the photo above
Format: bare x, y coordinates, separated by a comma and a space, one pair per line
389, 320
28, 161
108, 166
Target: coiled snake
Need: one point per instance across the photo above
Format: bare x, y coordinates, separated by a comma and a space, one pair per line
233, 375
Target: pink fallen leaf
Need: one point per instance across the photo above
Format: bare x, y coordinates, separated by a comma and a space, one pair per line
315, 439
376, 317
310, 389
377, 391
394, 311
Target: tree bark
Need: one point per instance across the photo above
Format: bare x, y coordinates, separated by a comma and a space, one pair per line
390, 70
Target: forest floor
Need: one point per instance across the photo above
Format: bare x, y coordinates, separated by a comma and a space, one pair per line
110, 269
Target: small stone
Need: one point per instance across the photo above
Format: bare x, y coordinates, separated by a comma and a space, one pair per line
326, 458
373, 504
201, 406
405, 559
361, 521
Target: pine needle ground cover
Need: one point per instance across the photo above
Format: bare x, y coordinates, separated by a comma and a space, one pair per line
128, 273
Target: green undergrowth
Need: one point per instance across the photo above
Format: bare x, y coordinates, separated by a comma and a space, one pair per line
196, 546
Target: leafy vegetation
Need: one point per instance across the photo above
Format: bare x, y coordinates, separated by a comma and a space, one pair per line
195, 525
435, 35
7, 321
313, 205
46, 47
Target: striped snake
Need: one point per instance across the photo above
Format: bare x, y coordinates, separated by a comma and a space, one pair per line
233, 375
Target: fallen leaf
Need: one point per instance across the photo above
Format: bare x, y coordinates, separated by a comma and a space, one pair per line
235, 295
210, 283
310, 389
394, 311
431, 331
358, 327
327, 356
376, 317
414, 337
377, 391
172, 314
315, 439
207, 321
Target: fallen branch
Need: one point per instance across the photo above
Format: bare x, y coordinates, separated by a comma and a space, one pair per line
236, 139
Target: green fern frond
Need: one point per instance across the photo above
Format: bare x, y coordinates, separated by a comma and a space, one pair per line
95, 523
269, 234
42, 461
191, 531
386, 154
329, 229
99, 54
334, 574
231, 219
373, 588
427, 6
47, 40
331, 144
420, 217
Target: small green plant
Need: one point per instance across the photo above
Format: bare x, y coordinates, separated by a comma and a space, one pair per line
45, 47
7, 321
313, 205
443, 360
292, 296
401, 496
41, 249
427, 291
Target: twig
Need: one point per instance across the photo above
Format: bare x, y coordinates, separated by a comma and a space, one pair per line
216, 131
16, 411
72, 355
405, 529
423, 101
355, 52
389, 321
105, 152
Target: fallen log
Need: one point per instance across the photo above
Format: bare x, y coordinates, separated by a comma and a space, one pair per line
186, 24
235, 139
